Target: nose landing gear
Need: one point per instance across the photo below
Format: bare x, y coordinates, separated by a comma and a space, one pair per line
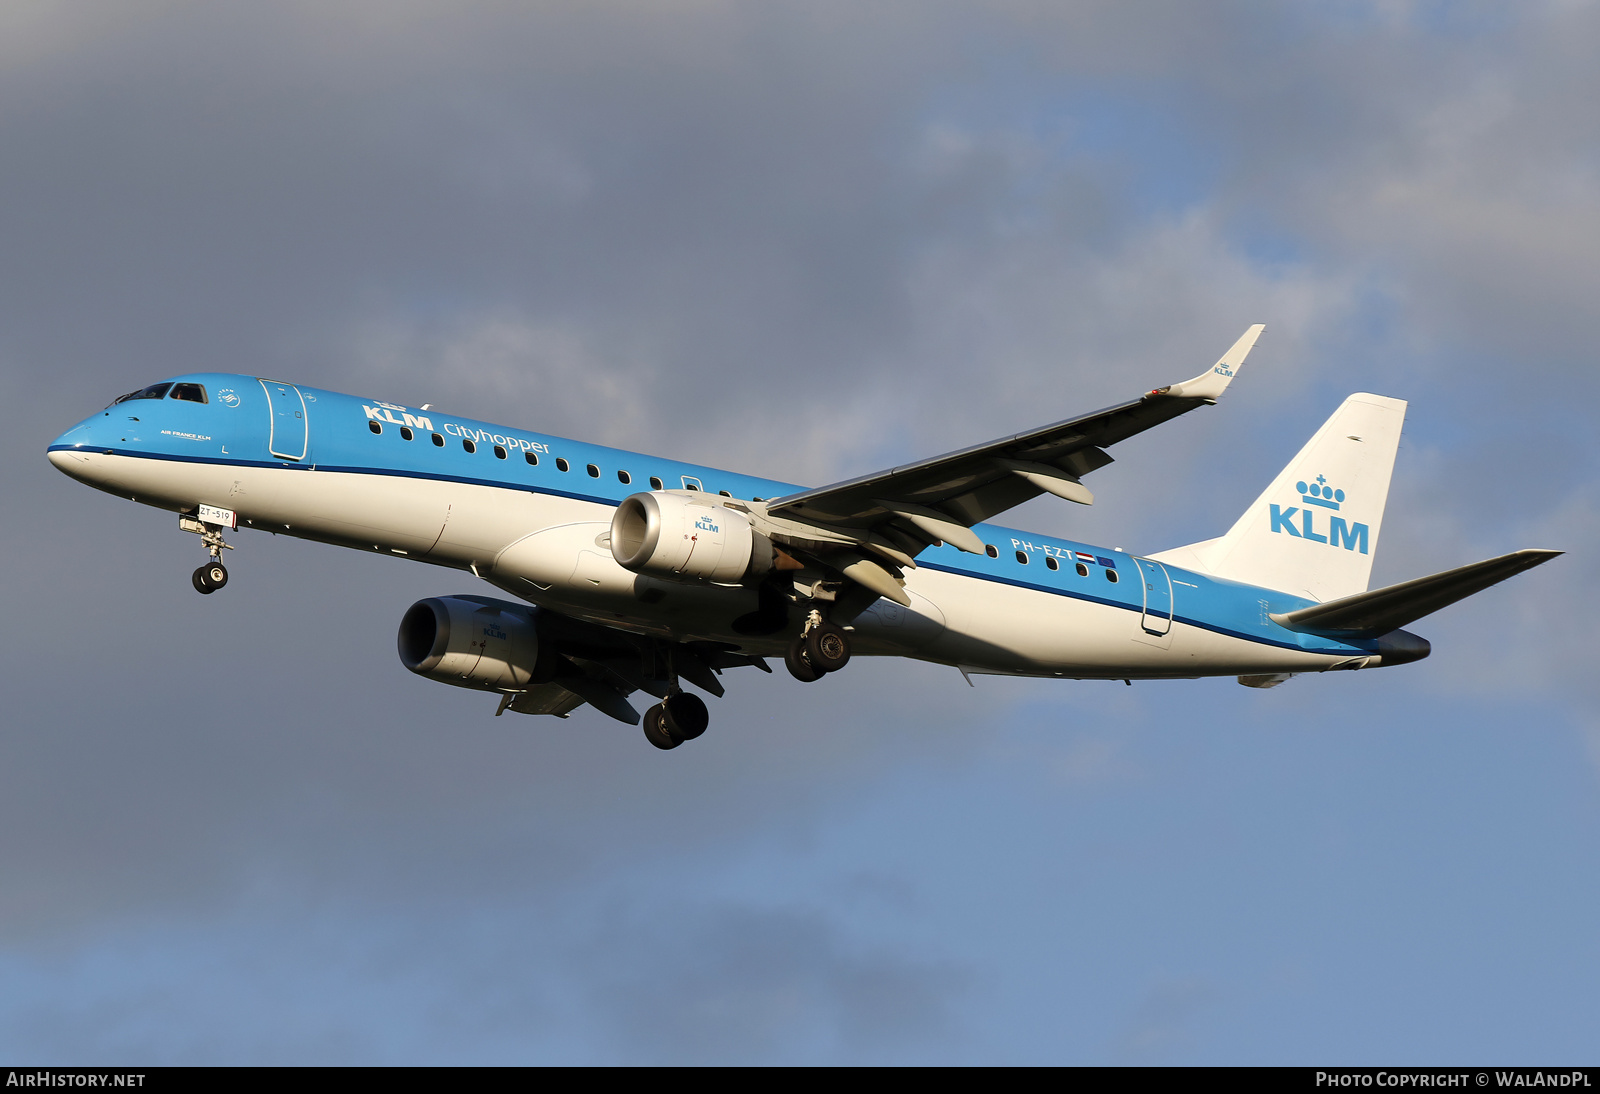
213, 575
210, 577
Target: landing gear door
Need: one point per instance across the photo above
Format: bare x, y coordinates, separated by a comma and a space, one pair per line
287, 439
1157, 597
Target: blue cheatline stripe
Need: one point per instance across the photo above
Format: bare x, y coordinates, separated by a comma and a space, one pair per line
289, 466
522, 487
100, 450
602, 500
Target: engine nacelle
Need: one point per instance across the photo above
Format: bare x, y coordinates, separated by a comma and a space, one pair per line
688, 536
471, 642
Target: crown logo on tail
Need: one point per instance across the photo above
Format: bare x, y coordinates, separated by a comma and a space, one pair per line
1320, 493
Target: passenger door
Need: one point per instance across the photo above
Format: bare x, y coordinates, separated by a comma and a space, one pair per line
1157, 583
287, 437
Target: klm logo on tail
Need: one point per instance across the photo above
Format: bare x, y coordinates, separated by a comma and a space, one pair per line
1314, 496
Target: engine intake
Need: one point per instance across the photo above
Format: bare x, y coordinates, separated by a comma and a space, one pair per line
471, 642
688, 536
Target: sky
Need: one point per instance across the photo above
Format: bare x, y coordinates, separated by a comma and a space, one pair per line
804, 240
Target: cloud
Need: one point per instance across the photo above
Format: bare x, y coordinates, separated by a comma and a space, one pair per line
744, 985
802, 240
1159, 1027
641, 976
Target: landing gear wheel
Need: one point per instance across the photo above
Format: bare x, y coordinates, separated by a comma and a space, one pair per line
210, 577
655, 732
827, 648
794, 658
685, 716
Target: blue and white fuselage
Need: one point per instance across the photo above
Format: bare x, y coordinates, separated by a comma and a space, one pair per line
534, 515
331, 476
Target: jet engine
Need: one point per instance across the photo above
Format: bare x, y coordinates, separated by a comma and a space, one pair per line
688, 536
471, 642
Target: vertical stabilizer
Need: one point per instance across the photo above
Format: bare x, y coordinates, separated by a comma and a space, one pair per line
1313, 532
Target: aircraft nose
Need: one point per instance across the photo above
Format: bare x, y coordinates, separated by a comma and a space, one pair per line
70, 453
74, 462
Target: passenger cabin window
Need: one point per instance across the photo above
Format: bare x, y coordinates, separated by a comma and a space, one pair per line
406, 434
562, 464
499, 452
154, 391
533, 460
991, 550
375, 427
189, 393
1022, 557
1050, 563
724, 493
594, 472
1111, 576
624, 478
466, 442
438, 441
655, 483
1083, 571
691, 483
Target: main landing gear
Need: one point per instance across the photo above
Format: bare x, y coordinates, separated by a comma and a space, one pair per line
821, 648
678, 718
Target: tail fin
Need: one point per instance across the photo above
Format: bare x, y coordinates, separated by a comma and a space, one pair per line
1315, 529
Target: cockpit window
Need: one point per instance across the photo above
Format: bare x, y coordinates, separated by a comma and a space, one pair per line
154, 391
194, 393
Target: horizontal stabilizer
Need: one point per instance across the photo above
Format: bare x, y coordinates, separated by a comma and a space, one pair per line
1375, 613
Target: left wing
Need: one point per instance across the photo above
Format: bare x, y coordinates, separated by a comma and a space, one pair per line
599, 665
900, 511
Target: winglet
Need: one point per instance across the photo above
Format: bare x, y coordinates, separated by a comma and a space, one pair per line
1213, 382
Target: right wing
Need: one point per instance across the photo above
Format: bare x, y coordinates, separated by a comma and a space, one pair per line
870, 528
959, 489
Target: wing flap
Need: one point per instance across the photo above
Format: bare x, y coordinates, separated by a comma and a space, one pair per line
544, 699
936, 525
602, 696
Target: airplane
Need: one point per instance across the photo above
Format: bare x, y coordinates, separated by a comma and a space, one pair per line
634, 573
